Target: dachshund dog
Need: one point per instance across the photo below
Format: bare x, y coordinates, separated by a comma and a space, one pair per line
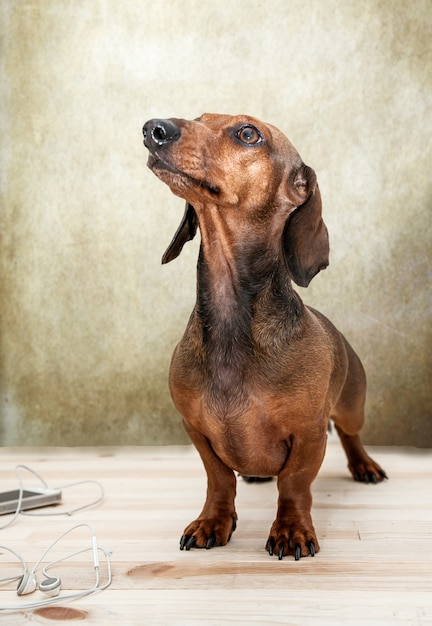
257, 375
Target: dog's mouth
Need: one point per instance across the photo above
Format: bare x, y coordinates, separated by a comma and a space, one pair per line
161, 168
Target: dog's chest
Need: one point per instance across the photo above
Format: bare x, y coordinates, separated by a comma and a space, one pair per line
245, 392
249, 429
249, 440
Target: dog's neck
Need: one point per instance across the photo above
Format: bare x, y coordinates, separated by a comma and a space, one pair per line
238, 263
242, 279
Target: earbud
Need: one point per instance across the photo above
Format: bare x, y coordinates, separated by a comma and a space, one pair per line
27, 584
51, 586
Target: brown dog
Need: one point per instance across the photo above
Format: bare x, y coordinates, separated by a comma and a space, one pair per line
257, 374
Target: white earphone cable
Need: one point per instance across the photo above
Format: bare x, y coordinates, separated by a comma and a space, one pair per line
79, 594
18, 510
11, 579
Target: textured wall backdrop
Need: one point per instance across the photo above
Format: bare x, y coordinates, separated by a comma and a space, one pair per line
88, 315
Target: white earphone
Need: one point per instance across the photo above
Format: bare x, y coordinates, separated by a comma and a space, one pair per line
51, 585
28, 583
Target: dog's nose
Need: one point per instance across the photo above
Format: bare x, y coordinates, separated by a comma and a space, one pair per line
158, 133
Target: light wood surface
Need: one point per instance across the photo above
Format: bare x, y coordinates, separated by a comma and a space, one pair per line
375, 564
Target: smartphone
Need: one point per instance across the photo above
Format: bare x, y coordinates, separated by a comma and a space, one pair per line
31, 499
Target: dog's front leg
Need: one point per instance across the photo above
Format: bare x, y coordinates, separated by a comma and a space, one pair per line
217, 521
293, 532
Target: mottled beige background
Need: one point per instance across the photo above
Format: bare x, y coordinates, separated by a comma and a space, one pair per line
89, 317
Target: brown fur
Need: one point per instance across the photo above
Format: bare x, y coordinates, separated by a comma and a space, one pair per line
257, 374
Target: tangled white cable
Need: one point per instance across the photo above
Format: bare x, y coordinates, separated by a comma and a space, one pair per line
18, 511
27, 581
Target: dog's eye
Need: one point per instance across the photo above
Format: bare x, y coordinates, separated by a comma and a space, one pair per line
249, 135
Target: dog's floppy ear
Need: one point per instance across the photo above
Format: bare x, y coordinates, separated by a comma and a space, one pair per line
305, 236
185, 232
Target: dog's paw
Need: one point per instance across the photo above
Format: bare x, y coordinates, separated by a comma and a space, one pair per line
367, 471
291, 539
208, 533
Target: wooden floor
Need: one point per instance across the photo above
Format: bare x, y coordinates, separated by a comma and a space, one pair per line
375, 564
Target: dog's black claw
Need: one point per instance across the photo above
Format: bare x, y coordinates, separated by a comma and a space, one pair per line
281, 551
370, 477
211, 542
270, 546
312, 548
183, 541
190, 542
234, 524
297, 554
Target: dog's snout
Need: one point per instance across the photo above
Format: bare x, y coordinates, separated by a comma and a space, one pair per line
158, 133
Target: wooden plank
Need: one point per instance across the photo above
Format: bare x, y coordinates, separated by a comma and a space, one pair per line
374, 565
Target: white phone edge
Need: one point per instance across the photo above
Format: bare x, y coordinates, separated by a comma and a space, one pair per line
40, 497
